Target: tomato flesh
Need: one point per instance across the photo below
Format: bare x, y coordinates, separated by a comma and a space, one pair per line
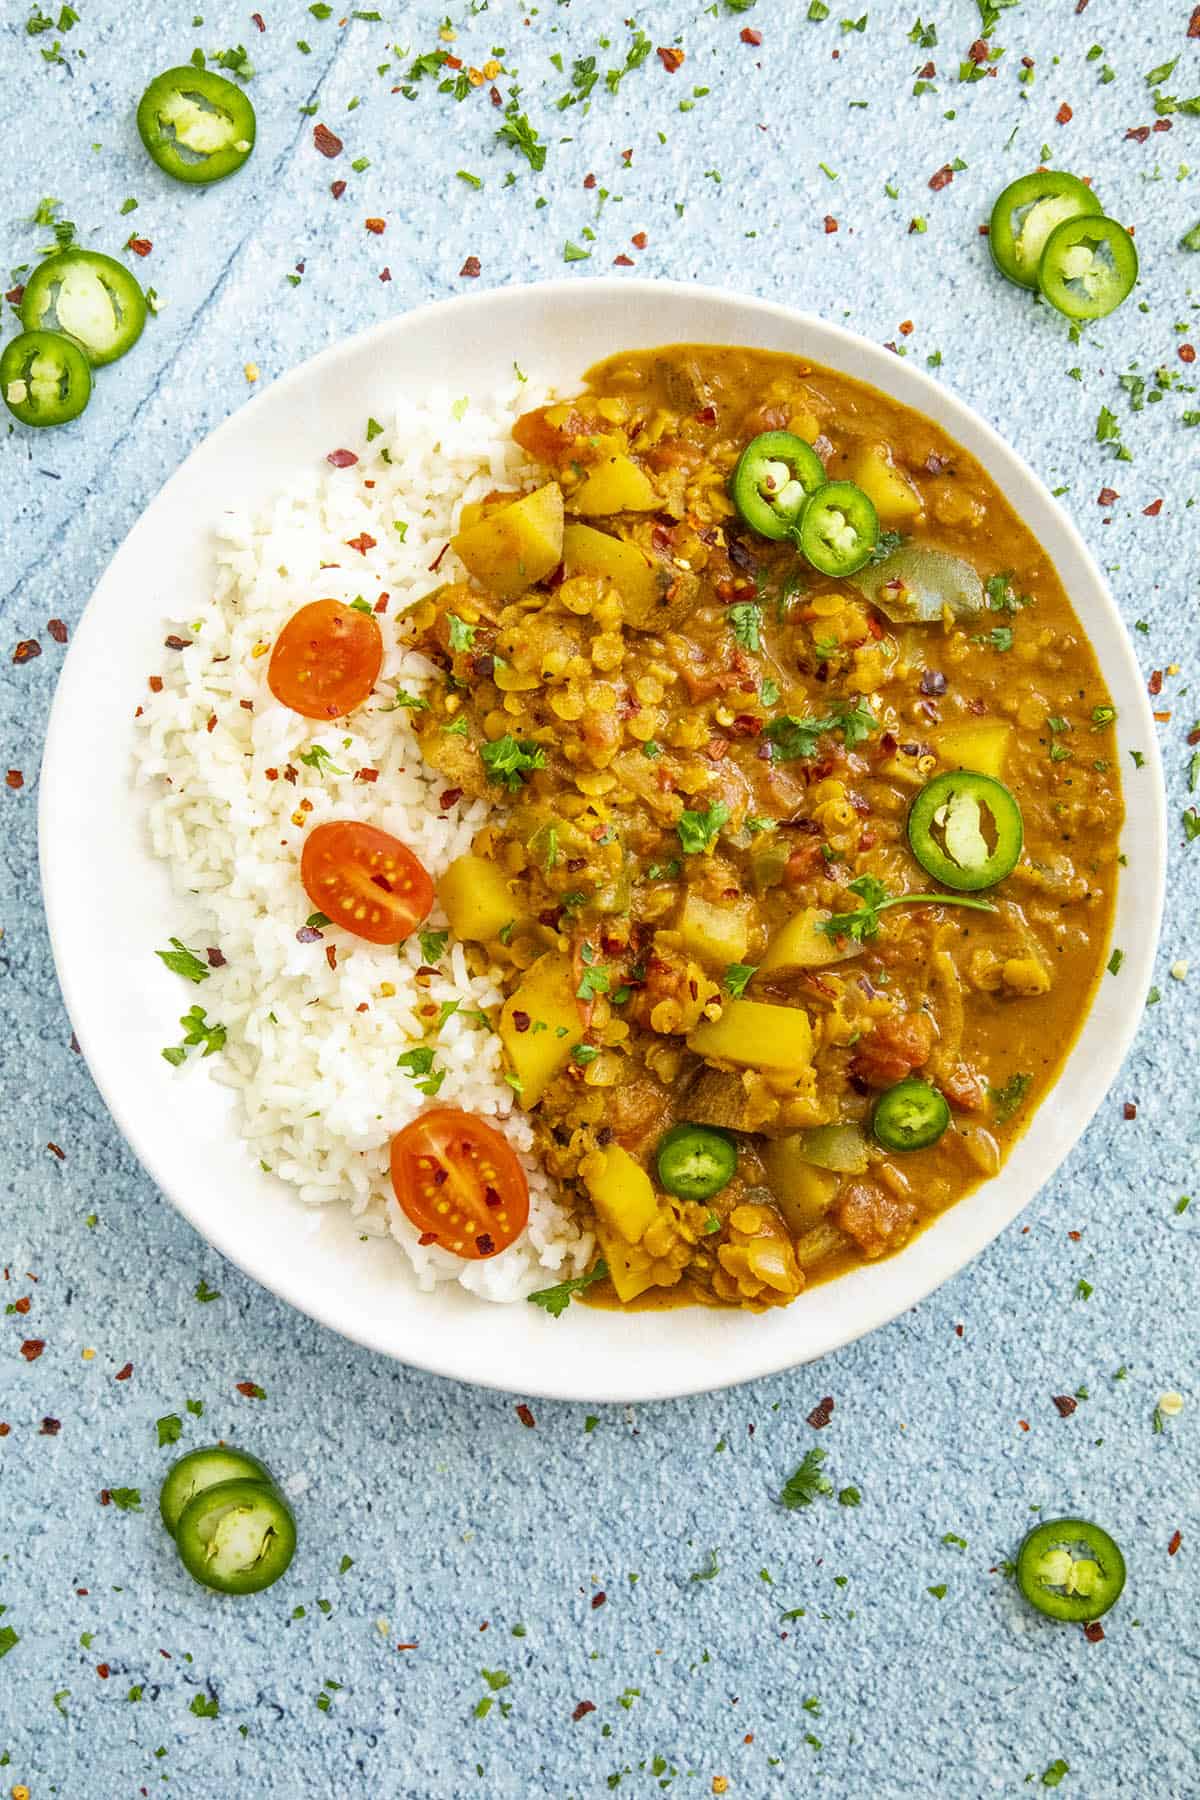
326, 660
460, 1183
365, 880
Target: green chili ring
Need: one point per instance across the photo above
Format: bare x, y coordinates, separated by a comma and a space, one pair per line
910, 1116
45, 378
201, 1469
965, 829
87, 297
197, 126
1074, 275
771, 484
1025, 214
1065, 1586
839, 529
695, 1161
237, 1537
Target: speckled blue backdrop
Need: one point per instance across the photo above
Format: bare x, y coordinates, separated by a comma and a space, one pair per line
870, 1650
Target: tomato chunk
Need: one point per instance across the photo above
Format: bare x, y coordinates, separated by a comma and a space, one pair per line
365, 880
460, 1183
326, 660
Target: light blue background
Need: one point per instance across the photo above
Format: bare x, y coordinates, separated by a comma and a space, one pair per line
461, 1522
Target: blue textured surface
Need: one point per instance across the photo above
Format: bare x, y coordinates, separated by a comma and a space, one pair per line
463, 1524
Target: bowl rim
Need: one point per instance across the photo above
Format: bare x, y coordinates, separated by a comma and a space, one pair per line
941, 1259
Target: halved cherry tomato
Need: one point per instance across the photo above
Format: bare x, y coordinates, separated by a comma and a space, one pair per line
460, 1183
326, 660
365, 880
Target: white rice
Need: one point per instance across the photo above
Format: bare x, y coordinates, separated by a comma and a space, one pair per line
319, 1093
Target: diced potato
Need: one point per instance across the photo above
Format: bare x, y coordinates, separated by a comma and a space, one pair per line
522, 543
983, 746
477, 899
817, 1245
615, 485
756, 1035
640, 583
630, 1269
805, 425
803, 1192
801, 944
896, 499
546, 998
622, 1192
842, 1148
714, 934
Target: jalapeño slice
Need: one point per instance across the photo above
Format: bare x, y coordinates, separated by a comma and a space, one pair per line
695, 1162
1027, 212
910, 1116
44, 378
201, 1469
236, 1537
965, 830
839, 529
1089, 265
197, 126
771, 484
1070, 1569
91, 298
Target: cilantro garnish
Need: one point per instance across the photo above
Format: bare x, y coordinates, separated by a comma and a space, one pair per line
793, 738
746, 620
170, 1429
864, 924
318, 758
126, 1499
462, 635
433, 945
182, 961
711, 1569
807, 1482
522, 136
555, 1300
1009, 1097
737, 975
508, 760
418, 1066
197, 1030
698, 830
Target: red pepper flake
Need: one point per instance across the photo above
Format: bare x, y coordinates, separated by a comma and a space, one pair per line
124, 1373
250, 1389
337, 189
622, 261
942, 179
57, 630
290, 773
1024, 1424
103, 1671
5, 1428
471, 268
140, 246
639, 240
1154, 685
331, 955
366, 775
453, 62
958, 1331
26, 650
433, 567
326, 142
362, 543
750, 36
521, 1021
525, 1416
216, 959
55, 1150
49, 1427
1193, 736
258, 20
494, 95
831, 224
15, 295
449, 798
670, 57
583, 1709
906, 327
1152, 511
927, 73
599, 1599
342, 459
381, 605
1193, 29
1186, 353
385, 274
821, 1413
1094, 1633
1174, 1544
1129, 1110
978, 53
14, 779
1066, 1404
1139, 134
1106, 496
1161, 125
377, 226
589, 181
32, 1348
1064, 115
627, 159
22, 1305
1162, 717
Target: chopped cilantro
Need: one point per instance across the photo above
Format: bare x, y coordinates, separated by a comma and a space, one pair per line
555, 1300
698, 830
806, 1482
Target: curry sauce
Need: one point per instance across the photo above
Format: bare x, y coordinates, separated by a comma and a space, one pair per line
703, 755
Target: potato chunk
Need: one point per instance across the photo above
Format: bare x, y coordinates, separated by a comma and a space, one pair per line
896, 499
477, 899
716, 935
801, 944
621, 1192
756, 1035
983, 746
640, 583
522, 543
540, 1025
615, 485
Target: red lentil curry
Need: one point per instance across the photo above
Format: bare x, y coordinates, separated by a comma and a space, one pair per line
801, 880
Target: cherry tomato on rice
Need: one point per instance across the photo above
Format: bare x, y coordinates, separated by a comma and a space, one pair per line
460, 1183
326, 660
365, 880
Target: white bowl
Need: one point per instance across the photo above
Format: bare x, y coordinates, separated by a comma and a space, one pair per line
109, 903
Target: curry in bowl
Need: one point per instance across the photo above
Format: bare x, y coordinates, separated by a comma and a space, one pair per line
804, 840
